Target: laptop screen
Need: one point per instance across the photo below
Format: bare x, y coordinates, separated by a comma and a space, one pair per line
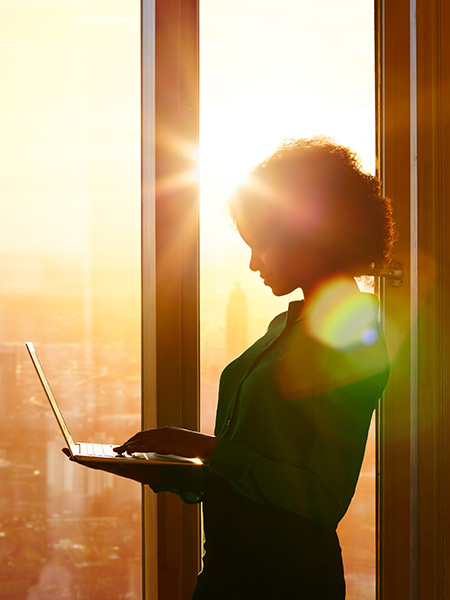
50, 395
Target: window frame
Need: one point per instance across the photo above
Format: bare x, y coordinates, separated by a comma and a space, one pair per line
170, 265
413, 74
413, 77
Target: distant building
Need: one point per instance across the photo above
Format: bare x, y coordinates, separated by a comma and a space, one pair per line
8, 388
236, 322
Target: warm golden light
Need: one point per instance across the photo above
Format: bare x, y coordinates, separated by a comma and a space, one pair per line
70, 272
286, 69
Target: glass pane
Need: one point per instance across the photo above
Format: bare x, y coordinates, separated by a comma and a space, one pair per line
70, 162
268, 72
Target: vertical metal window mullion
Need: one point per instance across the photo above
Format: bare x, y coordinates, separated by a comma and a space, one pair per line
394, 161
170, 320
148, 286
414, 312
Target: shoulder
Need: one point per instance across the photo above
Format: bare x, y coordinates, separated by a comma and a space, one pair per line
357, 350
342, 343
278, 321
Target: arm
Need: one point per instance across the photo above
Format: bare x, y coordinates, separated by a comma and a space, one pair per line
276, 465
171, 440
186, 481
275, 482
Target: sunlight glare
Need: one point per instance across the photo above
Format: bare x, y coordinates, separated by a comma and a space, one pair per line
341, 318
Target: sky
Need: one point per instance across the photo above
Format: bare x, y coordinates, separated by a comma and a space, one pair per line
69, 108
270, 71
69, 125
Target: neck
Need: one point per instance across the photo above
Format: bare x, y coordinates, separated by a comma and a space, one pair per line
315, 291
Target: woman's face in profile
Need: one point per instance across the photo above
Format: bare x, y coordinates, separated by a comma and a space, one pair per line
283, 261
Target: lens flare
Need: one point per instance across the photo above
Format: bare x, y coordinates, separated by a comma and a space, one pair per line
342, 316
369, 336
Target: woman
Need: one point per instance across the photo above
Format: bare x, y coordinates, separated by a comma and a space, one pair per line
294, 409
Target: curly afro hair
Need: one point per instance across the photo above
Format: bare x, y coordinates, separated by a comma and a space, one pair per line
316, 189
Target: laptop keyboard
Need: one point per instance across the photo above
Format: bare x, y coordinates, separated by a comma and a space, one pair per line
106, 451
100, 450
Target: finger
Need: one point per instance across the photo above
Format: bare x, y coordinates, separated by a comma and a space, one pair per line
124, 445
164, 440
153, 442
130, 448
142, 441
121, 449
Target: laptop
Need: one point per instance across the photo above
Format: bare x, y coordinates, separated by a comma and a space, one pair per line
94, 452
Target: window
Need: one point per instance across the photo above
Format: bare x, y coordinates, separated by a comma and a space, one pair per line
70, 140
413, 147
70, 246
257, 87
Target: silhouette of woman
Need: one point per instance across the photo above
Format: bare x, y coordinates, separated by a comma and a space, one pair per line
294, 409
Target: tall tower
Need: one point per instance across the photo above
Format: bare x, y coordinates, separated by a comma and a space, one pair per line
237, 322
8, 384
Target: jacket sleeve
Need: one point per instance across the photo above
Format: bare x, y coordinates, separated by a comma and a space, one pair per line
274, 482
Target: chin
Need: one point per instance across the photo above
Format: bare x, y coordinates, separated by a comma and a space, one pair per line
276, 291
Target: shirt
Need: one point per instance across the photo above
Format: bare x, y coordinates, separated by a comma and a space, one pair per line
294, 412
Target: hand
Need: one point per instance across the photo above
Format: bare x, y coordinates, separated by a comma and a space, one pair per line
171, 440
142, 473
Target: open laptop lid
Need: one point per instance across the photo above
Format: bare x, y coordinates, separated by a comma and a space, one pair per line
50, 395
